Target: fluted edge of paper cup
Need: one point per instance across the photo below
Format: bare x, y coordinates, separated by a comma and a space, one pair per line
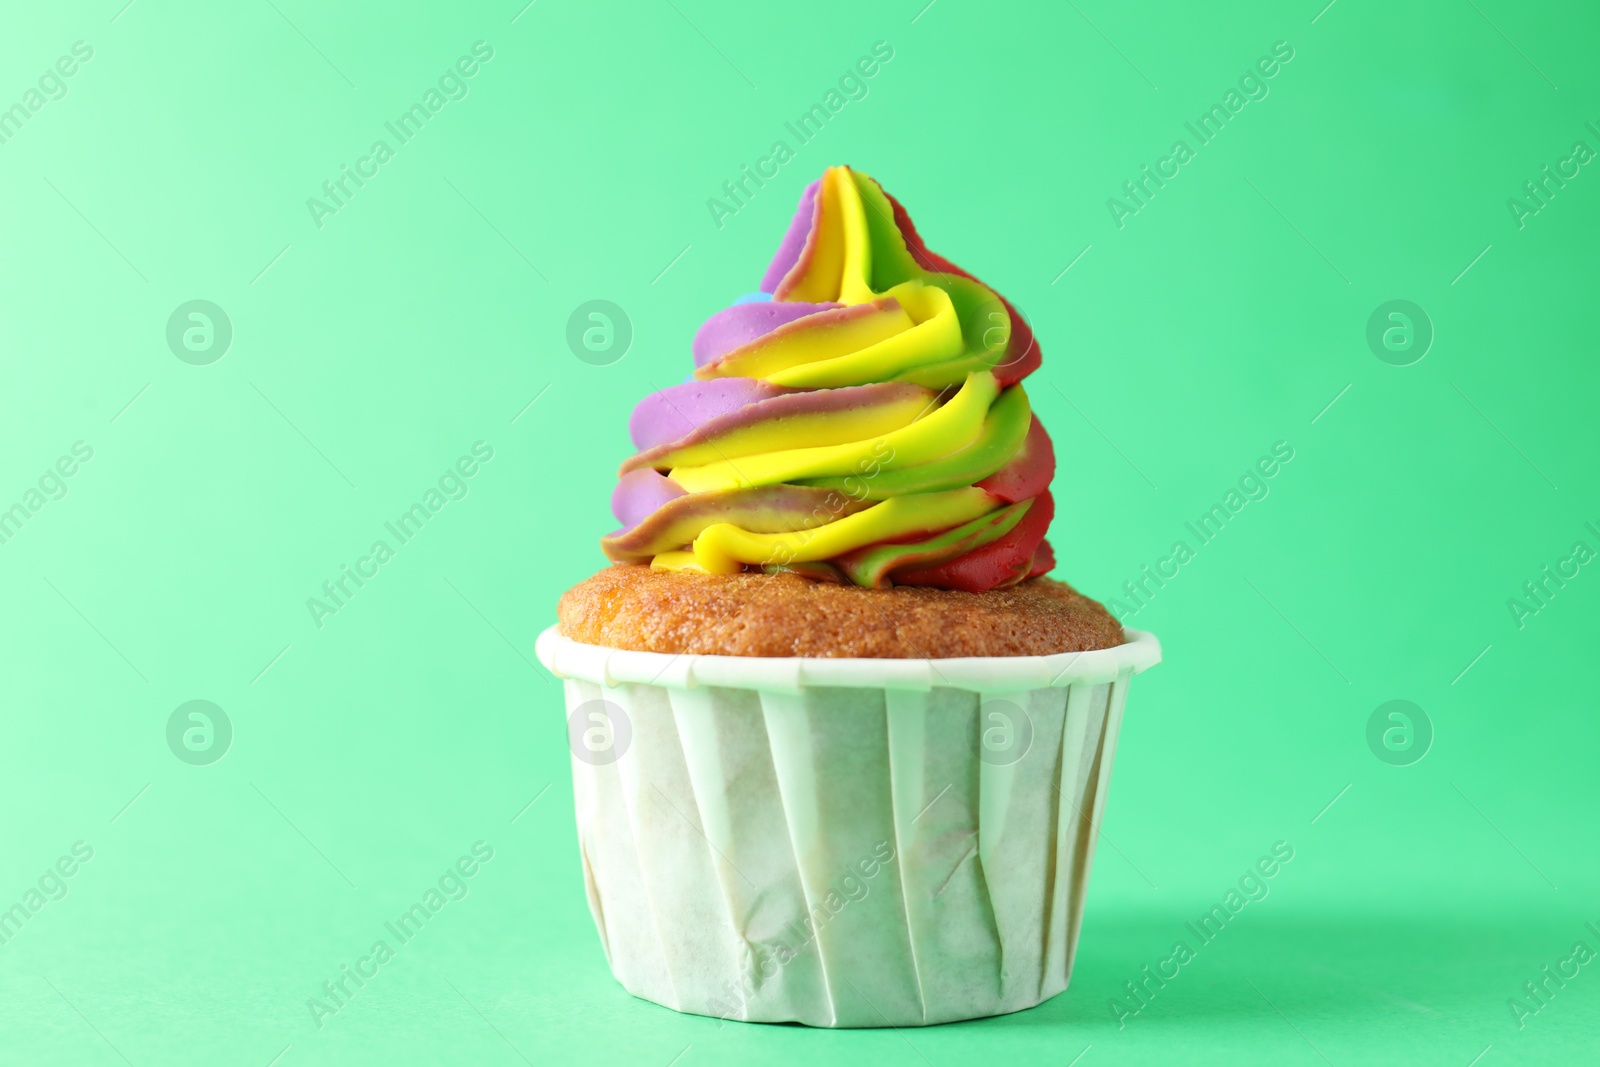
567, 658
837, 843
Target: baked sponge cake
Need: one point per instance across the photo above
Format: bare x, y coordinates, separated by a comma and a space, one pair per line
753, 614
839, 744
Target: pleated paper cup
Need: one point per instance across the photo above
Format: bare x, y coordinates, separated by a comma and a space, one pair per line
841, 842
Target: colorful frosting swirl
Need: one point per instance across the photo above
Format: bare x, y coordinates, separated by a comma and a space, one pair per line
860, 419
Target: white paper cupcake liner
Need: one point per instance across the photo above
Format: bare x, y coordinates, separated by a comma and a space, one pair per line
842, 842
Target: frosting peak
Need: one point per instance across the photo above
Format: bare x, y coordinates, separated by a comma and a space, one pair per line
858, 420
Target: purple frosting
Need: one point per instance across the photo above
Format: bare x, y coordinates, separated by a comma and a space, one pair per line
677, 410
741, 324
790, 406
638, 494
793, 241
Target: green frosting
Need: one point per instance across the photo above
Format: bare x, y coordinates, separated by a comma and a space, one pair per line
1004, 430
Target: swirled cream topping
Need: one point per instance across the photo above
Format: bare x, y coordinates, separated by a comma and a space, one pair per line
859, 419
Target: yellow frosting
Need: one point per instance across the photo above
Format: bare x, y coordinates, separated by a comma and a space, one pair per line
723, 548
948, 428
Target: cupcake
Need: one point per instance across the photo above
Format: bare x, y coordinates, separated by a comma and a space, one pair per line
840, 748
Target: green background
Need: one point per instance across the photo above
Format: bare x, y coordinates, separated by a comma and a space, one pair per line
372, 351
